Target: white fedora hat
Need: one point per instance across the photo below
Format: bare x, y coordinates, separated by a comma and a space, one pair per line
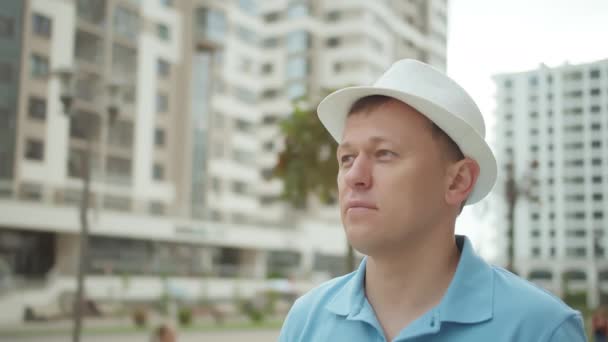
437, 97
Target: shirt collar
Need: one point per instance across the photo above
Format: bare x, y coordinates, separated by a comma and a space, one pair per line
469, 298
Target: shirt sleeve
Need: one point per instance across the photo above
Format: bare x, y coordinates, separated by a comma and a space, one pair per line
570, 330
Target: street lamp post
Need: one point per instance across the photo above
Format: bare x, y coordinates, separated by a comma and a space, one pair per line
67, 78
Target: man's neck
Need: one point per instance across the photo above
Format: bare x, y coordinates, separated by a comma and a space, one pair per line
403, 286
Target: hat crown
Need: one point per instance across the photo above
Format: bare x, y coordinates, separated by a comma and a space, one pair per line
422, 80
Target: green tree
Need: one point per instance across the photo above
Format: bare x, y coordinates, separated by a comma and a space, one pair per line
307, 165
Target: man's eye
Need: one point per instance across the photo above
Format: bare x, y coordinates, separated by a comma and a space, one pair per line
347, 158
384, 154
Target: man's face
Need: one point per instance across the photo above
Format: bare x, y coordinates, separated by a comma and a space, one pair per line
391, 179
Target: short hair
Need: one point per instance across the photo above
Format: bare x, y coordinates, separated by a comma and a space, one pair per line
369, 103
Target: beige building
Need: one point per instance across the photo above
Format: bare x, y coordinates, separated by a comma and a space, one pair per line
180, 182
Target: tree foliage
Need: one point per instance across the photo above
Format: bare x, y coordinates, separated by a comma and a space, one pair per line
307, 164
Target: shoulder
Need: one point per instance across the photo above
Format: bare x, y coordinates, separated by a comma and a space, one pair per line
532, 307
308, 307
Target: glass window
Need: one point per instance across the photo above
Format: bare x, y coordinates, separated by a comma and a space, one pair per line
159, 137
84, 123
41, 25
158, 172
156, 208
88, 47
270, 42
245, 95
247, 35
211, 24
39, 66
163, 32
118, 170
163, 68
117, 203
37, 108
297, 41
120, 134
167, 3
239, 187
124, 62
93, 11
594, 73
34, 149
296, 90
126, 23
7, 27
297, 68
162, 102
248, 6
6, 72
297, 10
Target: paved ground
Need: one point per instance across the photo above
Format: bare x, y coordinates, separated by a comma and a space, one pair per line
223, 336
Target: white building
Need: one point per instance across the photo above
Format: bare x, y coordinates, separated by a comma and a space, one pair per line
558, 118
180, 181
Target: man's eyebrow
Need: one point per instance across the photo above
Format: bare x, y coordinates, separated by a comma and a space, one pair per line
374, 140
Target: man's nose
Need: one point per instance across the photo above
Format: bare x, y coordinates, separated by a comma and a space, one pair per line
359, 175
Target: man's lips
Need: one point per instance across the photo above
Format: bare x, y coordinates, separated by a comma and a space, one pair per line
356, 204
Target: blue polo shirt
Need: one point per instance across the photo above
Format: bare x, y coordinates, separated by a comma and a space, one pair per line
482, 303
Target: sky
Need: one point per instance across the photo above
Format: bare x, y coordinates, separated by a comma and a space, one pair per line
488, 37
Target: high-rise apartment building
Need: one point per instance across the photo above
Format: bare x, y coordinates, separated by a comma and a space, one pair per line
552, 132
180, 180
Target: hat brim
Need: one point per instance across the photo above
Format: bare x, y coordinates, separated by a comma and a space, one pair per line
334, 108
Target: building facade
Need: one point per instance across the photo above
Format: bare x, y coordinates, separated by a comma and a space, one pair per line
552, 130
181, 185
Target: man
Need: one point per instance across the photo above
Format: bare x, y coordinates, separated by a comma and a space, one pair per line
411, 154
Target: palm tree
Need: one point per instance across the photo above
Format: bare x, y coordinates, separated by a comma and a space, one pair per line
306, 166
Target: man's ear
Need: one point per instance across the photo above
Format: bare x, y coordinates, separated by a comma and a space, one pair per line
462, 176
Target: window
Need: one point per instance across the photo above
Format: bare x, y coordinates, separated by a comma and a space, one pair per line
37, 108
297, 68
270, 42
242, 125
297, 10
162, 31
333, 42
596, 144
247, 35
272, 17
211, 24
39, 66
533, 80
296, 90
239, 187
162, 102
243, 157
117, 203
535, 251
248, 6
596, 179
85, 124
158, 172
167, 3
595, 126
159, 137
163, 68
297, 42
88, 47
595, 73
41, 25
7, 27
124, 61
595, 109
156, 208
120, 134
598, 196
595, 91
34, 149
245, 95
118, 170
30, 192
333, 16
92, 11
126, 23
6, 72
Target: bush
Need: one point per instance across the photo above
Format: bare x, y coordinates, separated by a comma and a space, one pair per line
184, 316
140, 318
255, 314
